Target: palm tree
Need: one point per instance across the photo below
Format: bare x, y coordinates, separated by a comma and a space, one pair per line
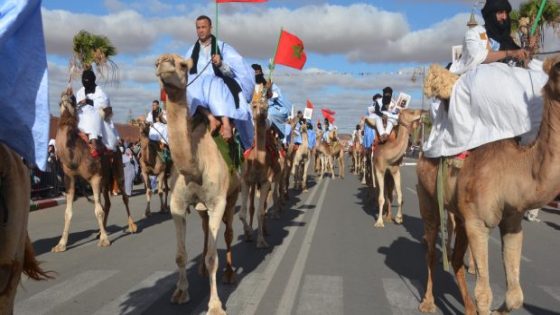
92, 49
529, 9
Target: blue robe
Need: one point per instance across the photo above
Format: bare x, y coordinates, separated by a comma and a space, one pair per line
209, 91
311, 139
369, 136
24, 122
278, 109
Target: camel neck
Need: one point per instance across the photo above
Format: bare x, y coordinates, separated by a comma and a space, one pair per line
179, 130
260, 139
544, 154
397, 149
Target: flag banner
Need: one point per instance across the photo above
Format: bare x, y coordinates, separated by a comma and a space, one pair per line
308, 113
328, 114
309, 104
328, 111
224, 1
290, 51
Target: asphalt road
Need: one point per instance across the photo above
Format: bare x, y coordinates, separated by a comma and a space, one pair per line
325, 258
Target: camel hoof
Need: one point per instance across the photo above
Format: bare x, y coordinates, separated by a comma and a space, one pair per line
471, 270
147, 214
180, 297
248, 237
104, 243
229, 277
379, 224
132, 227
59, 248
398, 220
427, 307
216, 311
305, 190
262, 244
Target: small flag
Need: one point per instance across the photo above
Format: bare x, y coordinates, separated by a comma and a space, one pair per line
224, 1
328, 114
309, 104
290, 51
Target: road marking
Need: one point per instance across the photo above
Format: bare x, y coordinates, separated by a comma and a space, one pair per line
409, 164
402, 295
47, 300
552, 291
321, 295
412, 190
290, 292
253, 299
141, 296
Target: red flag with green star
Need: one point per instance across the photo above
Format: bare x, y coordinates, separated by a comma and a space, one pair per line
290, 51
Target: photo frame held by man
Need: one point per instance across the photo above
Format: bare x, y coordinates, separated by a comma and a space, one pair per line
403, 101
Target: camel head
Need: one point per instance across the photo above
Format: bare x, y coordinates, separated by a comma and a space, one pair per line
172, 71
68, 102
552, 67
259, 103
410, 116
333, 135
143, 125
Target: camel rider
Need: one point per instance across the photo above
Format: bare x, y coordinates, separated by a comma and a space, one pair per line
158, 129
297, 129
375, 113
95, 115
491, 99
278, 105
220, 84
390, 112
156, 112
357, 135
311, 136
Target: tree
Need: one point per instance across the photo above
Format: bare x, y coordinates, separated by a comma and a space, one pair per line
529, 9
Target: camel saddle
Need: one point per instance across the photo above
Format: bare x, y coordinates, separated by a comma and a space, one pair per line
163, 154
95, 153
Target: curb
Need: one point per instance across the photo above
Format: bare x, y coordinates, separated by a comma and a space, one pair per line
48, 203
553, 205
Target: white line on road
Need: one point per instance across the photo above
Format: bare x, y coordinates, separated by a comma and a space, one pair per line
552, 291
321, 295
45, 301
409, 164
290, 292
254, 297
412, 190
402, 295
141, 296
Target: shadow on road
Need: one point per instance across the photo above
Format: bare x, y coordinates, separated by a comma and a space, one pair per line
246, 258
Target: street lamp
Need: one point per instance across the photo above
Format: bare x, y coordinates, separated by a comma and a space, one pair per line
420, 72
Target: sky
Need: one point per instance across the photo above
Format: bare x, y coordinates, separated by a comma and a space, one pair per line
354, 49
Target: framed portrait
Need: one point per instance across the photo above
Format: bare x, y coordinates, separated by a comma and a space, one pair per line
456, 52
403, 101
307, 113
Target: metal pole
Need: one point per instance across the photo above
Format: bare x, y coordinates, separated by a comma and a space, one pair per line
423, 80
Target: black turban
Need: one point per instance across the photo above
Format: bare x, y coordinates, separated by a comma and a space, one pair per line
500, 32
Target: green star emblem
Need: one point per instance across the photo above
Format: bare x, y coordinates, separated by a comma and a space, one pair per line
297, 51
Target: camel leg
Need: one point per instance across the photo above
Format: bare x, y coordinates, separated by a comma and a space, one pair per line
478, 235
70, 183
265, 187
132, 227
202, 270
471, 269
101, 213
252, 192
397, 186
365, 168
215, 214
430, 218
458, 264
146, 178
341, 165
161, 188
229, 273
243, 213
178, 213
380, 198
304, 178
276, 201
512, 242
166, 195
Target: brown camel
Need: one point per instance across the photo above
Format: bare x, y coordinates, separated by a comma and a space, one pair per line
387, 159
73, 152
301, 160
200, 175
152, 163
260, 169
329, 152
497, 183
17, 253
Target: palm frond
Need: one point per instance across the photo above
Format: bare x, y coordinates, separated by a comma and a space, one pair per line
90, 49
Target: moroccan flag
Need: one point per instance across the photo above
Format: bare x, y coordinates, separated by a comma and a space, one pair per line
163, 95
290, 51
224, 1
328, 114
309, 104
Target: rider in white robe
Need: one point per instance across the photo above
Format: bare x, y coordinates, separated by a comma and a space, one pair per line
489, 102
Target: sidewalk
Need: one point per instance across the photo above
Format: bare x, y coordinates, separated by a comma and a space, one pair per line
47, 203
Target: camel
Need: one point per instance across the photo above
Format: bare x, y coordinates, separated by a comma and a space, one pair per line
301, 160
260, 170
17, 253
200, 175
152, 164
386, 161
73, 152
329, 152
496, 184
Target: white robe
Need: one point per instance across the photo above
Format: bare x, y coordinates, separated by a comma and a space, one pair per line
489, 102
158, 132
90, 120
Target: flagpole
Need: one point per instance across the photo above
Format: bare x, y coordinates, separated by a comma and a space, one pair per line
216, 23
537, 19
271, 65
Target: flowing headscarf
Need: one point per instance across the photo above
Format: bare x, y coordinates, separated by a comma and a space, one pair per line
500, 32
